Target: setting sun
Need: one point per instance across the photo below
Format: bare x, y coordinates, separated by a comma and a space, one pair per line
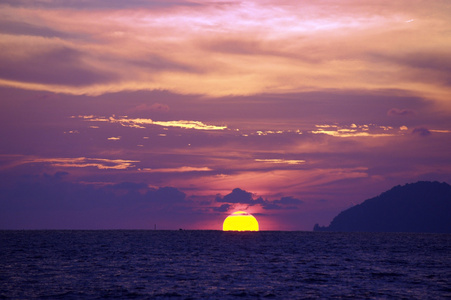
240, 221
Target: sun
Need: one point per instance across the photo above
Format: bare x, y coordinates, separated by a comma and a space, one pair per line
240, 221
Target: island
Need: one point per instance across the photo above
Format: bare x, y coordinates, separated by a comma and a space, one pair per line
416, 207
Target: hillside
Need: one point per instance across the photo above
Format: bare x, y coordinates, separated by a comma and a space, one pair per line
416, 207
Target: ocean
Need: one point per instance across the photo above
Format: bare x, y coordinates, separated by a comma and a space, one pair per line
191, 264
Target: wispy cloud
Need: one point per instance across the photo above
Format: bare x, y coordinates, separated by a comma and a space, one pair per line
176, 170
83, 162
440, 130
114, 138
141, 123
281, 161
354, 130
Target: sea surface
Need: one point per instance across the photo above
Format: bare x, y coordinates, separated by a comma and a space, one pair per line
223, 265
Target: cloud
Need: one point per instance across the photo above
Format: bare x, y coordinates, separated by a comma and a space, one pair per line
222, 208
58, 65
288, 201
141, 122
283, 203
400, 112
239, 196
189, 125
24, 28
225, 48
166, 195
354, 130
51, 202
281, 161
421, 131
150, 108
176, 170
83, 162
113, 138
132, 186
424, 66
440, 130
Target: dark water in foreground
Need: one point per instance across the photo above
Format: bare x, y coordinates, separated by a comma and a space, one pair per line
215, 264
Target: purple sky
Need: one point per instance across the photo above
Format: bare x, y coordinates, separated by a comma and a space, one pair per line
127, 114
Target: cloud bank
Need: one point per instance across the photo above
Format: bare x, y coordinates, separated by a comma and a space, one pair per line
214, 48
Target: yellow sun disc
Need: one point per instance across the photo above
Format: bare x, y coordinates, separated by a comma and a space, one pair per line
240, 221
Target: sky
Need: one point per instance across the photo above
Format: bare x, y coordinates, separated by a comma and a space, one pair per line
174, 114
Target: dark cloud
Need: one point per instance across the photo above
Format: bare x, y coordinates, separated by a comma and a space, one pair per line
283, 203
288, 201
130, 191
349, 106
222, 208
322, 201
56, 66
271, 206
428, 60
239, 196
432, 66
58, 175
166, 195
129, 186
421, 131
400, 112
144, 107
23, 28
45, 198
242, 197
159, 63
431, 60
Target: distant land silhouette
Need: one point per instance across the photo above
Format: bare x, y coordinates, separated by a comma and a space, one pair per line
417, 207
